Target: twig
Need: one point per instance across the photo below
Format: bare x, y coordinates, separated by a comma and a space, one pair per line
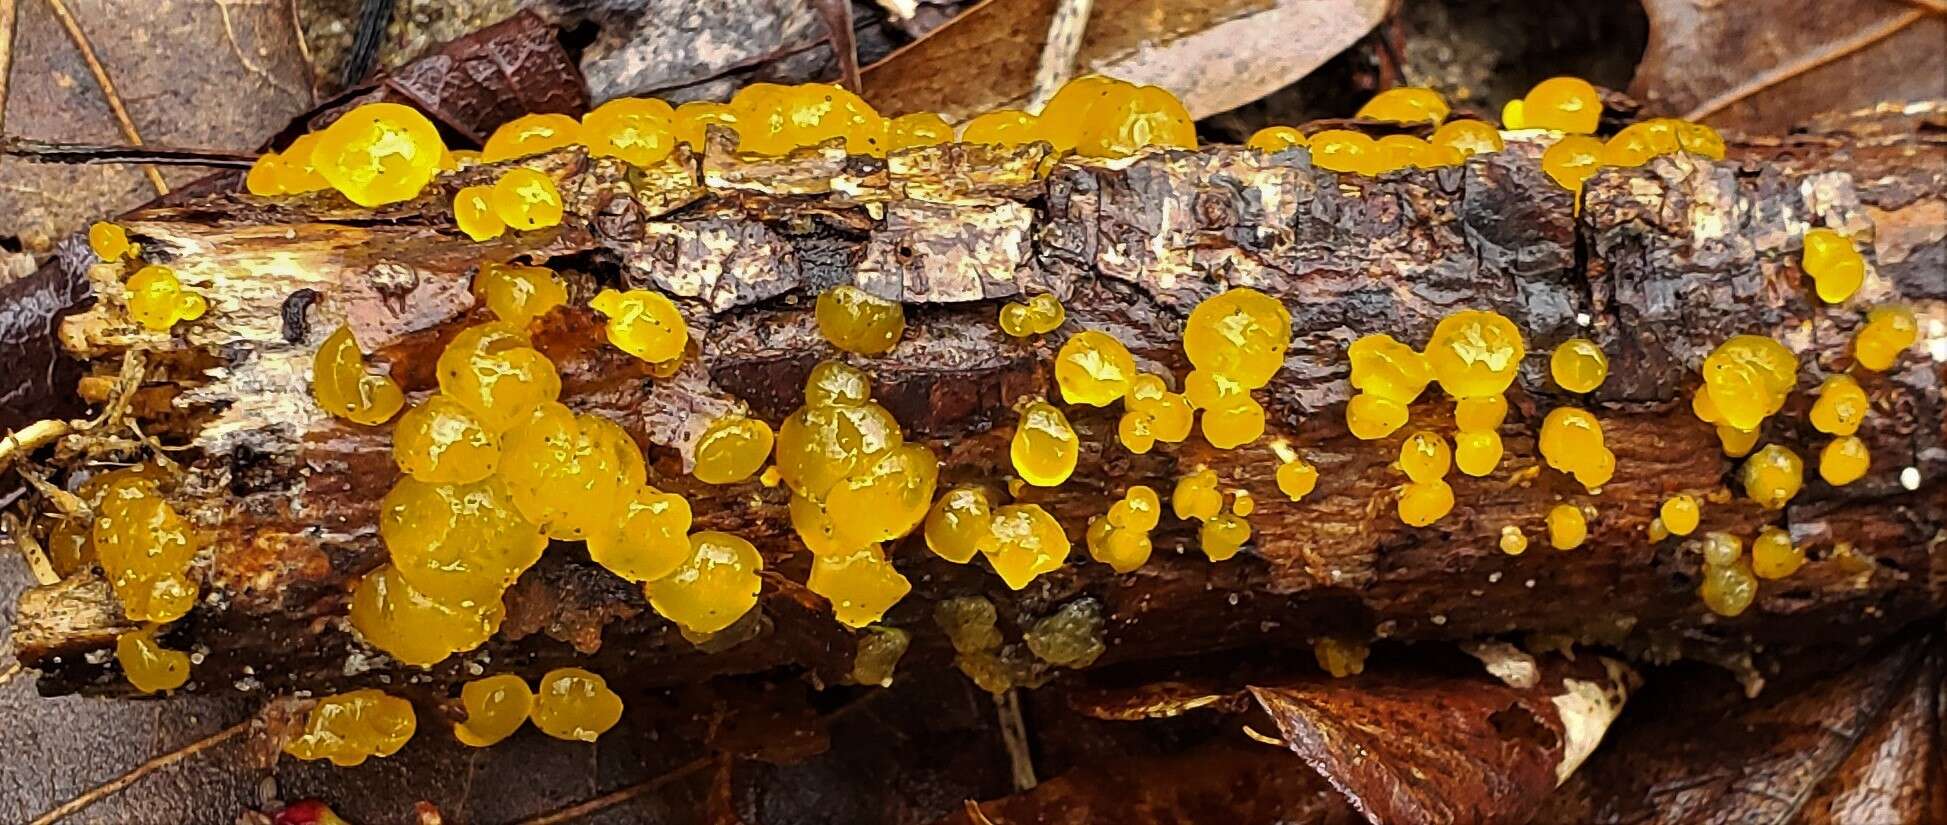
114, 786
616, 797
1252, 734
32, 551
30, 438
46, 151
8, 673
107, 85
1014, 735
837, 15
1837, 51
9, 16
369, 31
1058, 53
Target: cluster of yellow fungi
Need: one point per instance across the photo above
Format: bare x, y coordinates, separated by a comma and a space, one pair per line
493, 466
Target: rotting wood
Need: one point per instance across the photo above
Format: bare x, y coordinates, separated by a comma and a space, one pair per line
1661, 263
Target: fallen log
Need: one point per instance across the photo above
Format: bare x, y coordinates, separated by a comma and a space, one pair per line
1658, 265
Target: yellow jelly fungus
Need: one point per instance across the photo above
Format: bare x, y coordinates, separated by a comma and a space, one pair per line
1773, 556
473, 213
145, 548
879, 650
1069, 111
1093, 368
1736, 443
1837, 269
1889, 330
266, 176
1070, 637
1139, 509
1567, 527
1001, 127
109, 242
1345, 151
148, 666
1398, 152
1657, 531
1153, 414
1123, 549
1340, 657
440, 441
415, 628
1475, 353
1233, 424
1044, 448
1571, 441
1196, 496
1638, 142
649, 538
917, 129
1040, 315
1512, 116
350, 727
1578, 365
1748, 378
495, 706
1276, 139
530, 135
732, 449
1477, 453
491, 370
1386, 368
820, 445
1680, 514
836, 383
1468, 137
1024, 541
1222, 535
814, 527
857, 321
1720, 549
693, 120
1424, 502
1696, 138
519, 294
379, 153
525, 199
1772, 475
1512, 542
1572, 160
884, 499
1728, 589
298, 173
774, 119
1239, 333
457, 543
711, 589
1480, 413
1424, 456
969, 623
343, 387
575, 705
1567, 104
1406, 104
1372, 417
861, 585
1841, 406
1297, 478
157, 300
958, 523
1844, 461
570, 473
1135, 119
638, 130
643, 323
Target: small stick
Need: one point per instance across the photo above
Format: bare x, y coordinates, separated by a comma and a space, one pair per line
1058, 54
46, 151
1014, 734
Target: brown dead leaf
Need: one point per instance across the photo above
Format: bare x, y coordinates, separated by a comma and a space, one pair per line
215, 75
1438, 749
1214, 55
1769, 65
1852, 747
1224, 783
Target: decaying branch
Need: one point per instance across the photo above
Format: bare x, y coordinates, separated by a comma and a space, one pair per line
1659, 264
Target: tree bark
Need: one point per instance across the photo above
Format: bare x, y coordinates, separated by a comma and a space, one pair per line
1658, 265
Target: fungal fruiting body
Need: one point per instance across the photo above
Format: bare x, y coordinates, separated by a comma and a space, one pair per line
350, 727
575, 704
495, 706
